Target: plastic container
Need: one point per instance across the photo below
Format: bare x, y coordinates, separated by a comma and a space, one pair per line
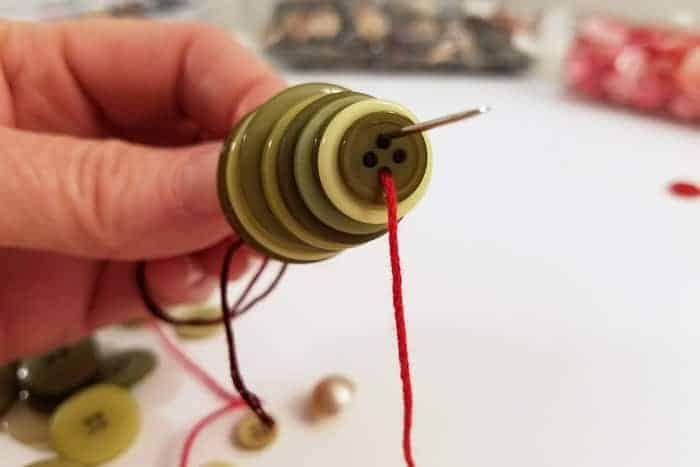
650, 66
399, 35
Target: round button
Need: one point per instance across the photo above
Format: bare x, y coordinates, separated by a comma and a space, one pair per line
200, 332
364, 152
271, 178
240, 181
308, 227
96, 425
27, 425
61, 372
306, 172
128, 368
350, 189
253, 435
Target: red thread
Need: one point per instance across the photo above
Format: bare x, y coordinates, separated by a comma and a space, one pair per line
197, 429
191, 366
684, 190
401, 336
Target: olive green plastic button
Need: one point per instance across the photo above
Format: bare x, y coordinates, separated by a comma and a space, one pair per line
271, 180
361, 157
238, 209
59, 373
55, 463
27, 425
125, 369
95, 425
253, 435
8, 387
303, 223
337, 190
200, 332
243, 182
305, 171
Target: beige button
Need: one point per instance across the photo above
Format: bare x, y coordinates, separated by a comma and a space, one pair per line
199, 332
332, 395
27, 425
253, 435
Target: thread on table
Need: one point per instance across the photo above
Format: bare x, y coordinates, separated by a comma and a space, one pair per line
387, 181
190, 366
228, 313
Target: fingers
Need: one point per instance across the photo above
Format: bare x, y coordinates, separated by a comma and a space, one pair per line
98, 77
107, 199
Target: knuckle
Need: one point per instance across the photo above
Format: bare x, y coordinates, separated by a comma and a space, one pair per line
101, 178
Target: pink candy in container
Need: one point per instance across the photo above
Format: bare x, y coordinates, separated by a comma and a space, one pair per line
652, 69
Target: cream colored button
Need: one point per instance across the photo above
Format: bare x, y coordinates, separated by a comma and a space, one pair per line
253, 435
332, 395
27, 425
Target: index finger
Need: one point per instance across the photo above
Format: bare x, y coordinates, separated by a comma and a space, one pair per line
135, 73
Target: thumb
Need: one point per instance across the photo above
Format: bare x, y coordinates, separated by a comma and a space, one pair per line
107, 199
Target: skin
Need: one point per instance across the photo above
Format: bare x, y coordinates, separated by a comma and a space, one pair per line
110, 132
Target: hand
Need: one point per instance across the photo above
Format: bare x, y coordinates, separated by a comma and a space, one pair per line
109, 139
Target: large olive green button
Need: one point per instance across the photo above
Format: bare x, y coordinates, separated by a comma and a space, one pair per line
253, 435
271, 179
306, 173
55, 463
8, 387
126, 369
59, 373
27, 425
304, 223
339, 192
363, 153
240, 180
95, 425
200, 332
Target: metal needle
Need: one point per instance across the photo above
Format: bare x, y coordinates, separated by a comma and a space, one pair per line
430, 124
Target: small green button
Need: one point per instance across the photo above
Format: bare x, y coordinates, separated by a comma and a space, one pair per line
61, 372
200, 332
95, 425
406, 157
126, 369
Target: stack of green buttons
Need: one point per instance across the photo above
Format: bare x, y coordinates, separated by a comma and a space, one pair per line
299, 177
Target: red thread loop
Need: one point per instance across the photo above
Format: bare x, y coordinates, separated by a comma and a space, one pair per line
402, 339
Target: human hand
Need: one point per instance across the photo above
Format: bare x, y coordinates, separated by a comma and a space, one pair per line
109, 139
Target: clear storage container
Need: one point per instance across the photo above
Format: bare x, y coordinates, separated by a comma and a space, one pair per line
400, 35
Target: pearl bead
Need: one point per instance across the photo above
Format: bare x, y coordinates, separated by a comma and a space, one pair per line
332, 395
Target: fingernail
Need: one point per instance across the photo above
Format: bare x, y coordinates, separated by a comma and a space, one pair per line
199, 179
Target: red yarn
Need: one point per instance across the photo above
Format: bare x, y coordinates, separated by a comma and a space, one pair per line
402, 339
191, 366
197, 429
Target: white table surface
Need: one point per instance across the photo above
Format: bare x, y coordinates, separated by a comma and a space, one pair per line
553, 300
